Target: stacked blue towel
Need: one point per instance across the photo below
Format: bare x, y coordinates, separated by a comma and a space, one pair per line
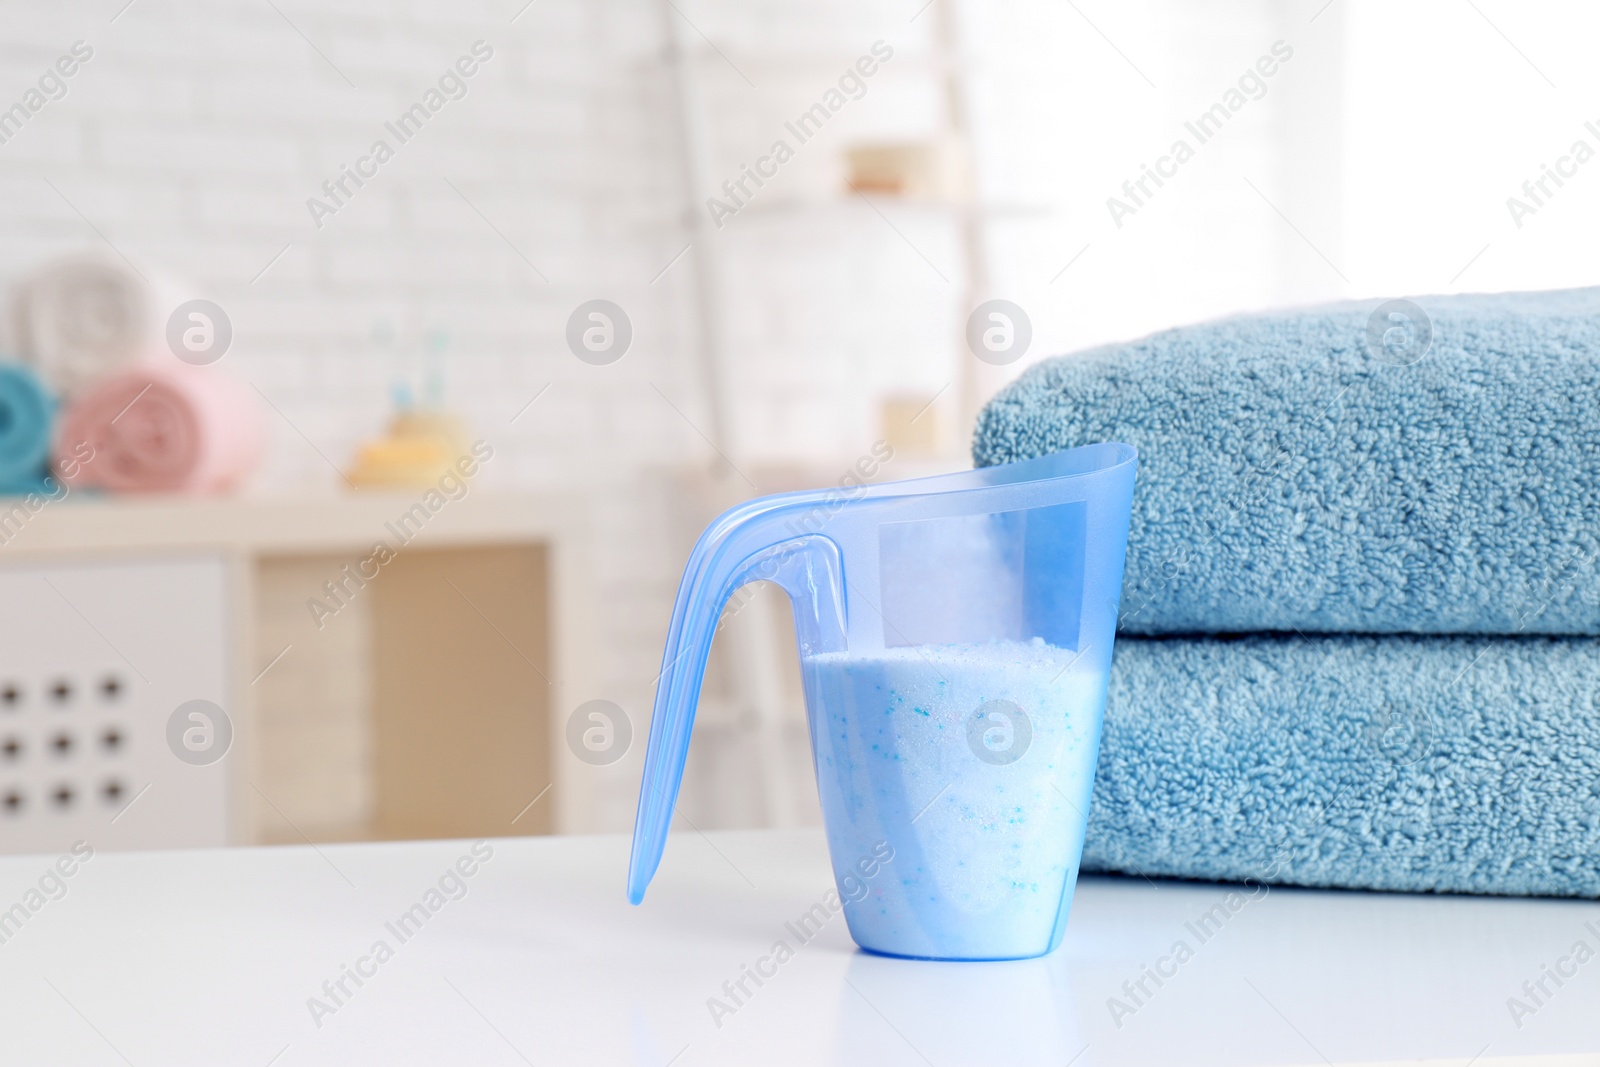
1444, 764
1313, 475
1290, 479
26, 411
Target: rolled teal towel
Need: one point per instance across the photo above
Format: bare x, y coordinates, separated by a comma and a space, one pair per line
1447, 764
1297, 473
26, 412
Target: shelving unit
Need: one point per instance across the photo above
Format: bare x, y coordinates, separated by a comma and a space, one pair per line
764, 700
477, 638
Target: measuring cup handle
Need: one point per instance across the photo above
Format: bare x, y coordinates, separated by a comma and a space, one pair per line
749, 543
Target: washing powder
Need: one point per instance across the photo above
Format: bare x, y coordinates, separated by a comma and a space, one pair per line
976, 763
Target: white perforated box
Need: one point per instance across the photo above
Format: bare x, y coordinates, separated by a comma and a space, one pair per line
94, 659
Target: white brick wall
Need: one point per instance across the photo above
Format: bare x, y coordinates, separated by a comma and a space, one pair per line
194, 136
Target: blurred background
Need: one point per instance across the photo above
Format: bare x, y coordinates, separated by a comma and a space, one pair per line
350, 485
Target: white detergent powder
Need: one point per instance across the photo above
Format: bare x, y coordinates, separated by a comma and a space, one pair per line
975, 763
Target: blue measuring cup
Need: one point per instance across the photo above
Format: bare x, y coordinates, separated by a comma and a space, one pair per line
955, 636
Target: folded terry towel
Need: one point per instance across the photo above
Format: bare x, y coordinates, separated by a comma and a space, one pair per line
163, 427
1290, 479
1449, 764
25, 414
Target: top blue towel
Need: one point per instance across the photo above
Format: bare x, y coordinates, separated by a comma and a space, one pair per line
1427, 467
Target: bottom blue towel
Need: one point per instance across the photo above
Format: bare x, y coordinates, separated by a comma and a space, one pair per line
1429, 764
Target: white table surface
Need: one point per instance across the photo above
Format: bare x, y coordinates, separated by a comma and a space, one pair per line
210, 957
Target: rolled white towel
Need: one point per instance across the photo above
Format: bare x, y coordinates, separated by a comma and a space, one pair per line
81, 317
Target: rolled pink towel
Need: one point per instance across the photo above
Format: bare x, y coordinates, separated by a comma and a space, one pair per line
159, 427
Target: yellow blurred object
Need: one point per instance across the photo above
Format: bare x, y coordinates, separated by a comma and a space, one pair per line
418, 449
910, 423
915, 170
